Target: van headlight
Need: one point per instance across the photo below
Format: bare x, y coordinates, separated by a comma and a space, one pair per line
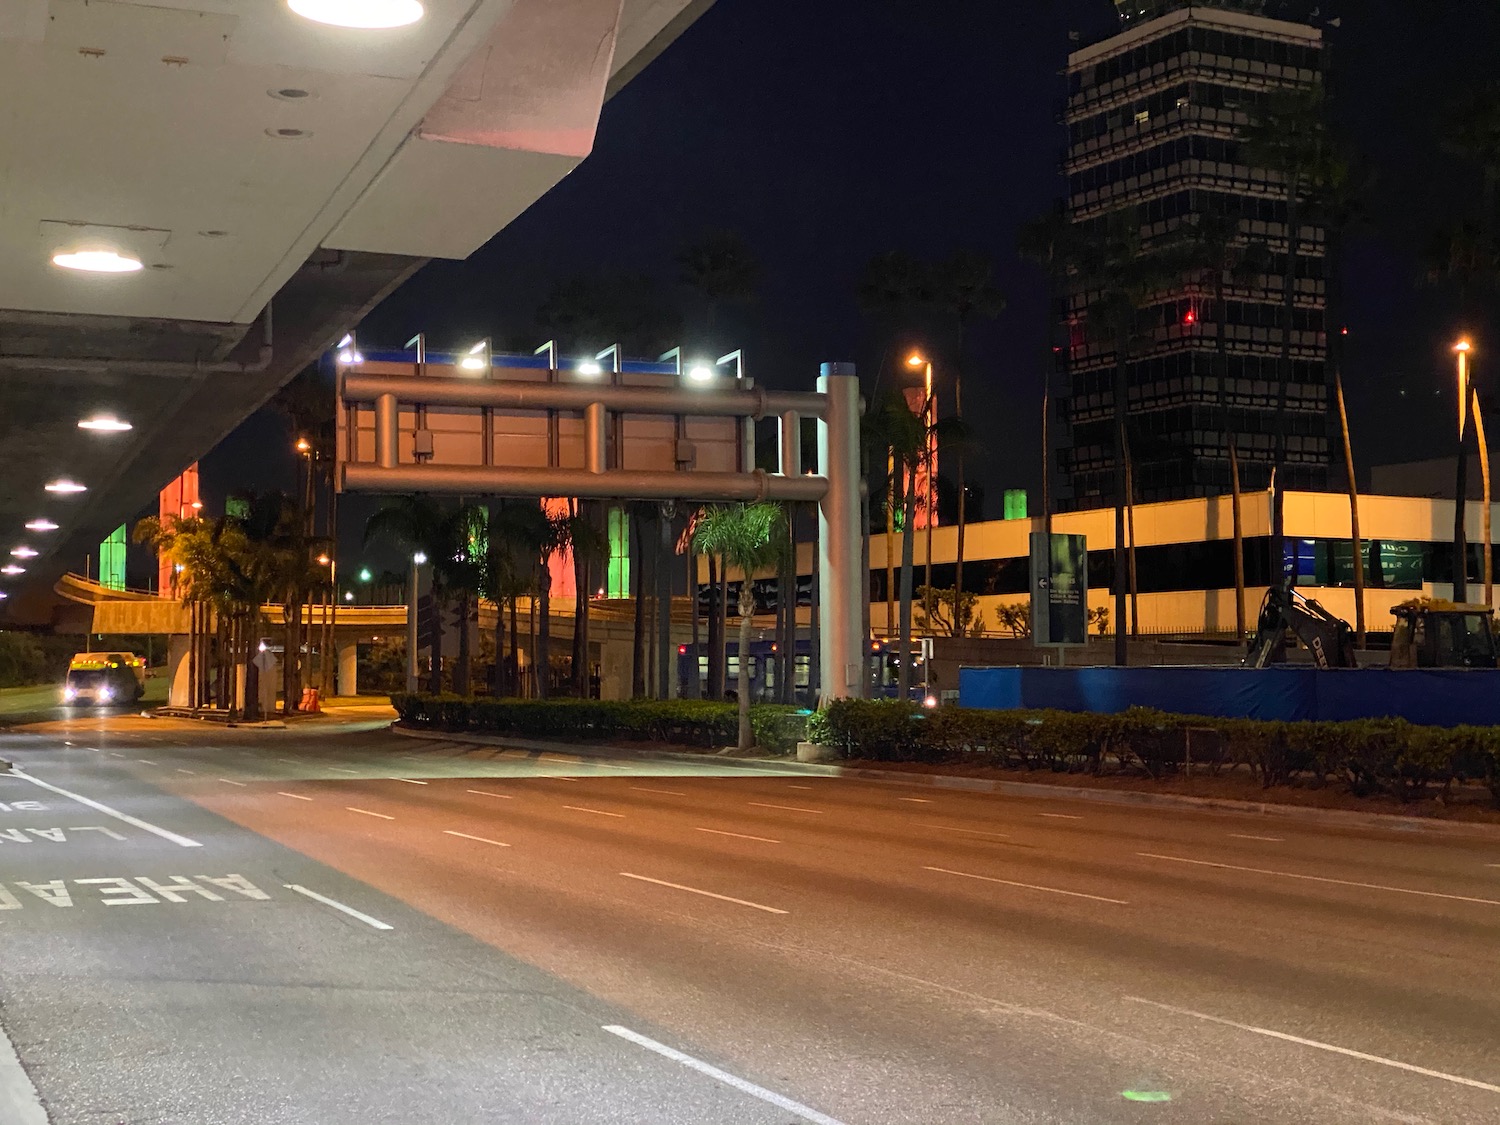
69, 694
104, 695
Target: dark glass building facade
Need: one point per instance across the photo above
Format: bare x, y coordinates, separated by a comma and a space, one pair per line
1154, 117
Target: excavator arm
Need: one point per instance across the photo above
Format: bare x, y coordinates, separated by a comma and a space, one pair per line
1328, 638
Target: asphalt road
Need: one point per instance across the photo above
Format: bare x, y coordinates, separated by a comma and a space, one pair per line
579, 940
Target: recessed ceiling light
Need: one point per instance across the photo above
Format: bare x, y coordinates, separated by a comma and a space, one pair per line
66, 485
12, 568
41, 525
290, 93
289, 134
96, 261
367, 15
105, 424
23, 552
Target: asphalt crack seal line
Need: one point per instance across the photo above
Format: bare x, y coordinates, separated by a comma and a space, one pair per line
19, 1102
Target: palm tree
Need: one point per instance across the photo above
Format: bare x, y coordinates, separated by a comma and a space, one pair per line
1112, 264
519, 531
446, 536
590, 546
721, 268
901, 438
964, 286
1290, 138
749, 537
1222, 258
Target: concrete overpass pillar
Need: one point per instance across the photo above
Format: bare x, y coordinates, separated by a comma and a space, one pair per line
179, 675
842, 582
348, 682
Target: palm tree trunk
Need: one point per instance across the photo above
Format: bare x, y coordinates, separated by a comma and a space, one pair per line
747, 608
890, 545
1135, 620
515, 651
531, 633
1239, 539
461, 668
1121, 577
637, 556
960, 623
694, 686
1484, 478
1356, 544
580, 617
908, 542
1284, 376
253, 712
435, 673
544, 631
723, 611
1460, 527
497, 674
715, 634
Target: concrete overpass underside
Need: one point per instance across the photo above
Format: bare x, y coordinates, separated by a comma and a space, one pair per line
272, 179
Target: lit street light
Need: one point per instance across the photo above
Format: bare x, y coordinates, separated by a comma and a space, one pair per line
1467, 397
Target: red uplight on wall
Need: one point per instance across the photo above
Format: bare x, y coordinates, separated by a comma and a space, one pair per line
1190, 317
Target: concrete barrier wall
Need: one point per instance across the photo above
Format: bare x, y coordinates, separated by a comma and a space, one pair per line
1433, 698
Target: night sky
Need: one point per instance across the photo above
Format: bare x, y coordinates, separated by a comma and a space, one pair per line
828, 132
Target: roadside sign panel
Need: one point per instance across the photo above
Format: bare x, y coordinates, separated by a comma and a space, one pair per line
1059, 589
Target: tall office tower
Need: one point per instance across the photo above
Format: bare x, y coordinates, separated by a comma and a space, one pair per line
1155, 116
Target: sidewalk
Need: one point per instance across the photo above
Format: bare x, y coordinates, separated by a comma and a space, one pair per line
1336, 818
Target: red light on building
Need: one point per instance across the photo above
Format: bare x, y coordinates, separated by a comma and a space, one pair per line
1190, 317
682, 650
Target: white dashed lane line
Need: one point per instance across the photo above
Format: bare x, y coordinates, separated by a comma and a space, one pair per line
1263, 839
374, 923
1059, 816
408, 780
596, 812
1027, 886
667, 792
785, 808
1322, 879
487, 793
226, 781
705, 894
479, 839
293, 796
737, 835
367, 812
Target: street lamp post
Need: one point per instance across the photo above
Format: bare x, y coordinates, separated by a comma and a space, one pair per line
411, 623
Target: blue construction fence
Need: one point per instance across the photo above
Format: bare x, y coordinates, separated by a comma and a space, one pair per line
1444, 698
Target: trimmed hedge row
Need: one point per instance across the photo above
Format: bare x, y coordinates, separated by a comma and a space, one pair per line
1366, 756
688, 722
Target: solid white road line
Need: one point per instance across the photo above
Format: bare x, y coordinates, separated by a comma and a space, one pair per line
1282, 1035
1263, 839
367, 812
349, 910
1322, 879
1059, 816
1029, 886
785, 808
226, 781
705, 894
668, 792
770, 1096
487, 793
481, 839
971, 831
737, 835
145, 826
19, 1102
293, 796
596, 812
408, 780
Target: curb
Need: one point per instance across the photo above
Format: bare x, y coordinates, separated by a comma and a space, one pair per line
1339, 818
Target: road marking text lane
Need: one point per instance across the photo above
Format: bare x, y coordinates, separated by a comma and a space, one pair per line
1028, 886
1322, 879
705, 894
770, 1096
1412, 1068
349, 910
737, 835
126, 818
